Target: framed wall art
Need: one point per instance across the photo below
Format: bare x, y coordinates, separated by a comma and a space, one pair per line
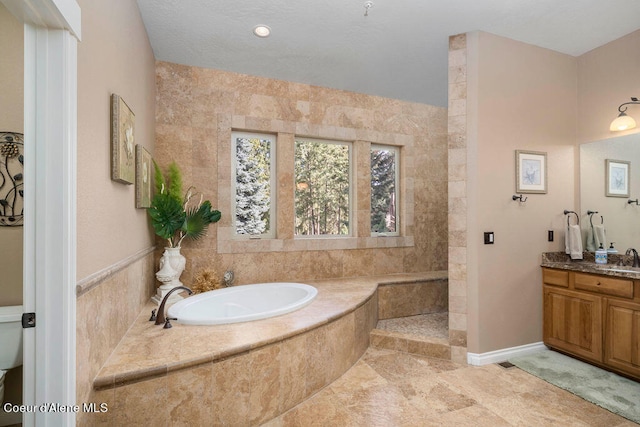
531, 172
143, 178
122, 141
617, 178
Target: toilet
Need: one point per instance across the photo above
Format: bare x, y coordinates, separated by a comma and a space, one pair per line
10, 341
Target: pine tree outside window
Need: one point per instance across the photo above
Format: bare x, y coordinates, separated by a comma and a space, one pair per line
253, 184
322, 188
384, 190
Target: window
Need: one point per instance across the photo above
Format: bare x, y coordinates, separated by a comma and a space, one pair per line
322, 188
253, 184
384, 190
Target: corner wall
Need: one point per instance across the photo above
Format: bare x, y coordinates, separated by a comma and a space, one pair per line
115, 242
519, 97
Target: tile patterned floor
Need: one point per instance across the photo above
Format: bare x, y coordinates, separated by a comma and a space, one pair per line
431, 325
389, 388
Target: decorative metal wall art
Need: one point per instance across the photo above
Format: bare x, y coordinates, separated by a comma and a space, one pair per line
11, 179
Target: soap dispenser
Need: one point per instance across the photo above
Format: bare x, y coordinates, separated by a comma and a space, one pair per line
612, 250
601, 255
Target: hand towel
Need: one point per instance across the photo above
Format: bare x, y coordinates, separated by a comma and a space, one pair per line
591, 242
573, 242
599, 236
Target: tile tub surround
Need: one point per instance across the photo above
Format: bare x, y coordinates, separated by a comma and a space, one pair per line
410, 299
198, 108
240, 374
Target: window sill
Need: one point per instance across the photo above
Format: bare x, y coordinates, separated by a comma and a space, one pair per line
312, 244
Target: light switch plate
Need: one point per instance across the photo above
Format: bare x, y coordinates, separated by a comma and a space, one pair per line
488, 237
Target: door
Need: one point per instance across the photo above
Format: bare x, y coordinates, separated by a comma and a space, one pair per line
51, 31
622, 332
573, 322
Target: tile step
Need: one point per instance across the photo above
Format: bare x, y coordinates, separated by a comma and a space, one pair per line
416, 344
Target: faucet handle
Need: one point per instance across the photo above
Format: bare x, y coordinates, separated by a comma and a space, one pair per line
153, 316
167, 323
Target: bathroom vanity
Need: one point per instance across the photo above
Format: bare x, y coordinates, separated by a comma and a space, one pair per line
593, 313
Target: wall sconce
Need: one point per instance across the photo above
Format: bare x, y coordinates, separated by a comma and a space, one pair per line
624, 122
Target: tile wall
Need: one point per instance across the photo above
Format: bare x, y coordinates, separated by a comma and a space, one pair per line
457, 194
107, 304
198, 108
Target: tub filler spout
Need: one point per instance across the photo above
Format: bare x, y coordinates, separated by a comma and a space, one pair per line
160, 318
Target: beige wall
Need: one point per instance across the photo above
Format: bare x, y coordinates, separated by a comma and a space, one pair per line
11, 120
115, 243
607, 77
520, 97
114, 57
198, 108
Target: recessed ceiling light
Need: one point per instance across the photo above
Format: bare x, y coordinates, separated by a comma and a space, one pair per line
262, 31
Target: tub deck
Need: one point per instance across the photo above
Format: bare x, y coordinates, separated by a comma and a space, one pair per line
148, 350
257, 369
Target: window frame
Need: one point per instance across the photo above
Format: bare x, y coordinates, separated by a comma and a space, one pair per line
396, 151
273, 180
352, 226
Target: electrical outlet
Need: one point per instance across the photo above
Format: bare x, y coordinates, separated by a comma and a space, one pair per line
550, 235
488, 237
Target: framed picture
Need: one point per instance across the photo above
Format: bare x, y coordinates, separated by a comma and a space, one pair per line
122, 141
531, 172
143, 178
617, 178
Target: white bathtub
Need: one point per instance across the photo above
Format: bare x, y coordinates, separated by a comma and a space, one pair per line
242, 303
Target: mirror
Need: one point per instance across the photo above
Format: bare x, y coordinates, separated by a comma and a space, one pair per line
620, 218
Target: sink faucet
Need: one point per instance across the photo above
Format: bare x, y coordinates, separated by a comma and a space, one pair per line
636, 260
160, 318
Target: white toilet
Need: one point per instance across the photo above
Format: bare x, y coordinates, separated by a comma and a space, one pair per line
10, 341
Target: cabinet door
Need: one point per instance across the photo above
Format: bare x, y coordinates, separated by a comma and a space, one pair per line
622, 332
573, 322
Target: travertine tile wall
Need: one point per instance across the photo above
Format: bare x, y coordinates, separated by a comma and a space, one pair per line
105, 309
458, 197
410, 299
198, 108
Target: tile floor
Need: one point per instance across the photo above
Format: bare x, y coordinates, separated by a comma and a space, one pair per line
389, 388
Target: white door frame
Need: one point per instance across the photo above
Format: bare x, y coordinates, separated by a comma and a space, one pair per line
52, 29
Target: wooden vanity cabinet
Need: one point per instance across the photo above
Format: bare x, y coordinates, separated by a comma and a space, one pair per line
622, 336
594, 317
573, 321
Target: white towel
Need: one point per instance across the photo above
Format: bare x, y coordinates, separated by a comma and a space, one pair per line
573, 242
591, 242
599, 236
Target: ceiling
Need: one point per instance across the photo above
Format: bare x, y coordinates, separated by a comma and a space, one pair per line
398, 51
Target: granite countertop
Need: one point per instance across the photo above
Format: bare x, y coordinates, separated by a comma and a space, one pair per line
618, 265
148, 350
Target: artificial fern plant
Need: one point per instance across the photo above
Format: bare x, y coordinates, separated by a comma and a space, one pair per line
175, 217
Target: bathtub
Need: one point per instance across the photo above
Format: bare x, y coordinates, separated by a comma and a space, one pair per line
242, 303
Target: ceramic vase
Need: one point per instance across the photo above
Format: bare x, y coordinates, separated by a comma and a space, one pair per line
172, 265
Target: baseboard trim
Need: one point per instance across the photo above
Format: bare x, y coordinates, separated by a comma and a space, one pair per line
496, 356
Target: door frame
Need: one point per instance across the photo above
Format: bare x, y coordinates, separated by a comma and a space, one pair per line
51, 33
